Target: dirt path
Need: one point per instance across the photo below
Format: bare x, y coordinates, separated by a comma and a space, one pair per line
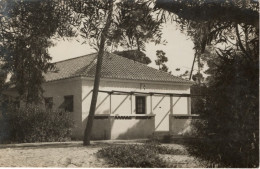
73, 154
51, 155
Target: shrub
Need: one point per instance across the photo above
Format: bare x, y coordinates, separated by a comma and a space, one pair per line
164, 149
132, 156
154, 140
32, 124
229, 122
157, 139
138, 155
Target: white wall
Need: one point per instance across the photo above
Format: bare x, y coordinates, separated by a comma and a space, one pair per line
61, 88
130, 128
81, 89
121, 104
103, 103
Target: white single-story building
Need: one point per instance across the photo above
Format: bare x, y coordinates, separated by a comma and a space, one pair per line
134, 100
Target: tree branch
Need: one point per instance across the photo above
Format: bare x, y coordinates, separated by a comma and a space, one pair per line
240, 43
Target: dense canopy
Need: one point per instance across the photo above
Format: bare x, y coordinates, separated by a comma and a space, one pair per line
219, 10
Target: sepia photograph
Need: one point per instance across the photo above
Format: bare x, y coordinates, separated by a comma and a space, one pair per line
129, 83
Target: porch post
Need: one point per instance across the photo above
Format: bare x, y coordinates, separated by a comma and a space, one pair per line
131, 98
110, 103
171, 104
189, 104
151, 103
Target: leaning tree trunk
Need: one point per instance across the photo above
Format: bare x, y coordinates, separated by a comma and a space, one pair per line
92, 109
192, 66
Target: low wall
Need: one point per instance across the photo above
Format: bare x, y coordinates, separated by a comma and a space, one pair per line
180, 124
122, 126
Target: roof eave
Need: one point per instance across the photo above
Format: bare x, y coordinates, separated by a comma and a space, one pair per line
188, 83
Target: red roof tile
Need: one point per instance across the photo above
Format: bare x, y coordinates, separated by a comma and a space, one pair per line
113, 66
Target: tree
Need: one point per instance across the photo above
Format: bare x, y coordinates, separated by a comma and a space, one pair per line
161, 59
135, 55
102, 28
205, 25
184, 75
87, 133
135, 25
229, 112
96, 17
235, 11
26, 30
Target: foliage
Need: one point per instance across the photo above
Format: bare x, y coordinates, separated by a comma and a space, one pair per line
221, 11
105, 24
132, 156
198, 102
161, 59
197, 77
214, 22
157, 139
132, 24
135, 25
33, 124
159, 149
229, 114
135, 55
26, 29
185, 75
137, 155
153, 139
27, 26
229, 43
96, 21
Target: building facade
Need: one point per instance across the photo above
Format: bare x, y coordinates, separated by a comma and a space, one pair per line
134, 100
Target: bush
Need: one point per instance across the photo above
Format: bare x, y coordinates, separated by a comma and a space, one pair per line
138, 155
229, 125
32, 124
157, 139
164, 149
153, 140
132, 156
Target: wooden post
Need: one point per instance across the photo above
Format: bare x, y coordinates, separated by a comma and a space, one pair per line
189, 105
151, 103
131, 98
110, 103
171, 104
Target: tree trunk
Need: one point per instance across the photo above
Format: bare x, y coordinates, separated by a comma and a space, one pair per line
92, 109
192, 66
199, 77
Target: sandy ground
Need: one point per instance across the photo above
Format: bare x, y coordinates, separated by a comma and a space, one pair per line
73, 154
51, 155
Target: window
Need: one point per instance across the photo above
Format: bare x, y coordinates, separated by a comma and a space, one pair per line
48, 103
68, 103
140, 104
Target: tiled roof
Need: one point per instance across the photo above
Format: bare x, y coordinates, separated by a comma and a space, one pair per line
113, 66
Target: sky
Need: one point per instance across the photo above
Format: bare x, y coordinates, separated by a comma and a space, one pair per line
179, 49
